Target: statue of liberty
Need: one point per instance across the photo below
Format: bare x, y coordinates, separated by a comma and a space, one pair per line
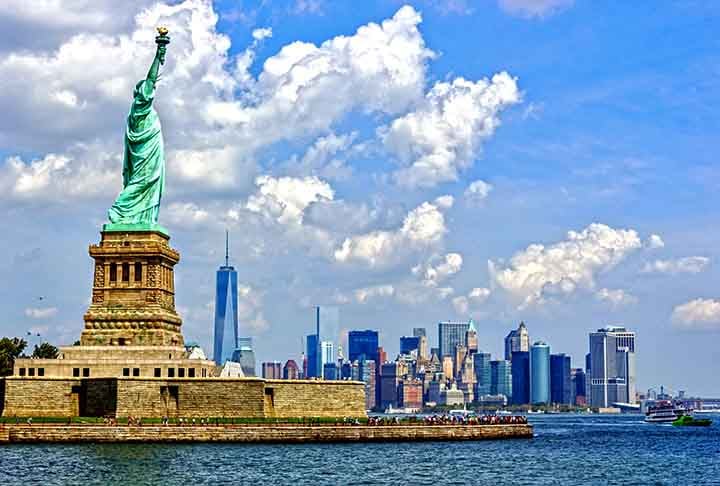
138, 204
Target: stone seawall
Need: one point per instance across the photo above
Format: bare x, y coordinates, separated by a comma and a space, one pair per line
259, 434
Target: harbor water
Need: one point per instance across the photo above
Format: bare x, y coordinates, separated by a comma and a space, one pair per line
566, 449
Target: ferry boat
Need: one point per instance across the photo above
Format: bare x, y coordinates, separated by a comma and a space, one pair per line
664, 411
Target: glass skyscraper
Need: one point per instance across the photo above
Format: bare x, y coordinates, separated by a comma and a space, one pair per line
483, 378
500, 378
312, 351
408, 344
451, 334
520, 377
225, 340
612, 366
560, 386
245, 355
363, 343
539, 373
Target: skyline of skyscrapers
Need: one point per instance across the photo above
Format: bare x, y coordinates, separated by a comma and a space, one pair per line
225, 338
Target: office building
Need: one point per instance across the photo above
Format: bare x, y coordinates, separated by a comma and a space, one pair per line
560, 385
450, 335
367, 373
447, 368
245, 355
331, 371
312, 350
225, 340
423, 345
481, 363
517, 340
362, 343
577, 379
410, 345
520, 377
389, 380
291, 370
612, 366
272, 370
501, 378
327, 350
411, 394
539, 373
471, 340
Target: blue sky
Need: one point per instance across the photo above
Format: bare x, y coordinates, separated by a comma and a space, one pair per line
336, 190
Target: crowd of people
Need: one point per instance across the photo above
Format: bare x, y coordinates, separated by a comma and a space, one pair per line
444, 419
451, 420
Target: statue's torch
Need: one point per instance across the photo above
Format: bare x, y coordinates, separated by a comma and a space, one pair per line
162, 40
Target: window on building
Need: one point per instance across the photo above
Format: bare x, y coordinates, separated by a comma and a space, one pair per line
121, 341
136, 371
113, 272
126, 272
171, 372
181, 372
86, 372
204, 373
138, 272
21, 371
41, 371
126, 371
191, 372
158, 372
31, 371
76, 372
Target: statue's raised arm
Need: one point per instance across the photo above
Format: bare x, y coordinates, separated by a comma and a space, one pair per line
138, 205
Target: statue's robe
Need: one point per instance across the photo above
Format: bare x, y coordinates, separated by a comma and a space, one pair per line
143, 164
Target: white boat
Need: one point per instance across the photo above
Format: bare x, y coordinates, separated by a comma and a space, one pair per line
664, 411
401, 411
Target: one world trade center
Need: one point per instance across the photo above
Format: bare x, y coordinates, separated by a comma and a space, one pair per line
226, 311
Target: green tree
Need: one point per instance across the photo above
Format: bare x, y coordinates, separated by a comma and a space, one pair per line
45, 351
10, 348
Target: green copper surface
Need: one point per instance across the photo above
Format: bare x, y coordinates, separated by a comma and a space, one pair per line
134, 227
144, 159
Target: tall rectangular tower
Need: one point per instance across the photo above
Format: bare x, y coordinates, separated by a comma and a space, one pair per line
612, 366
451, 334
225, 340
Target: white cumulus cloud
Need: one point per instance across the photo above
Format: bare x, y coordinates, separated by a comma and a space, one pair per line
423, 227
692, 264
477, 192
698, 314
562, 268
286, 198
443, 135
615, 297
470, 302
432, 274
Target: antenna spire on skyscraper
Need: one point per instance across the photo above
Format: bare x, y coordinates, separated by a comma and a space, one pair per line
227, 248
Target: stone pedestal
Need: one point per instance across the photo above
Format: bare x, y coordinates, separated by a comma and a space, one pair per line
133, 295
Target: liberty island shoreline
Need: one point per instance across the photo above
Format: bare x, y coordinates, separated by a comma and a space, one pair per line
258, 434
